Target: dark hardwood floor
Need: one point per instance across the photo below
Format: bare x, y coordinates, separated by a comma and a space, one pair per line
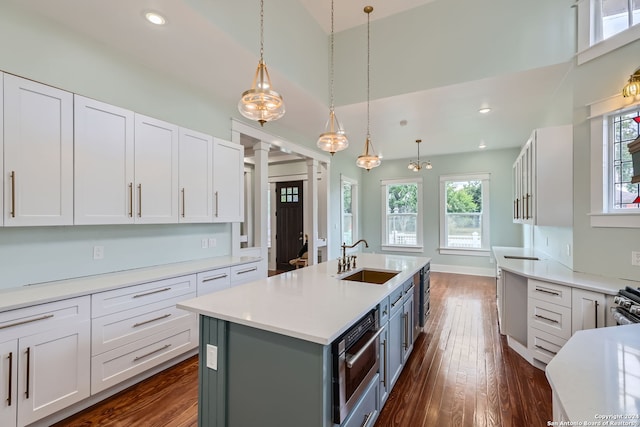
461, 373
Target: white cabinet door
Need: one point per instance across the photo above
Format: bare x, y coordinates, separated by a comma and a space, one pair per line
156, 171
8, 383
38, 154
54, 371
196, 164
587, 310
103, 172
228, 188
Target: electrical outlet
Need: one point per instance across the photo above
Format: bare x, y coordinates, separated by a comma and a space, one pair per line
204, 244
98, 252
212, 242
212, 357
635, 258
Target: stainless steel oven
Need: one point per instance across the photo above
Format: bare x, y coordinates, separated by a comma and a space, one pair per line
355, 362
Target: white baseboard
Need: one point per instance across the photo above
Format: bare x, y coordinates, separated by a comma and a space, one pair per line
462, 269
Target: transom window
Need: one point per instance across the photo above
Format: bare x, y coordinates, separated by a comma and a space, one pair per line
464, 218
625, 128
402, 214
614, 16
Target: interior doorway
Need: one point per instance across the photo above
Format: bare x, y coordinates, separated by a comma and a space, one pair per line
289, 222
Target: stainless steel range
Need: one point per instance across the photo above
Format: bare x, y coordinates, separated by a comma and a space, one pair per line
627, 309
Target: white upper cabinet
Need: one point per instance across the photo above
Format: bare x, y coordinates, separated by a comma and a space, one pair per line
228, 188
38, 154
196, 164
543, 178
156, 171
104, 173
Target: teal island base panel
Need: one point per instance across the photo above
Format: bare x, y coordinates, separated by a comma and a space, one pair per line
262, 379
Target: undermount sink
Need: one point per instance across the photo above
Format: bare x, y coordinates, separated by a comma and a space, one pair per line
371, 276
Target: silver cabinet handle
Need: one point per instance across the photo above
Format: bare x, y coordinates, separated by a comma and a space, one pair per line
216, 196
351, 359
546, 349
164, 316
384, 366
151, 293
139, 200
406, 331
131, 200
10, 357
247, 270
209, 279
11, 325
546, 318
557, 294
13, 194
367, 417
135, 359
183, 203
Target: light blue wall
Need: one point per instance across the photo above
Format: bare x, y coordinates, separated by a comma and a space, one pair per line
496, 162
602, 251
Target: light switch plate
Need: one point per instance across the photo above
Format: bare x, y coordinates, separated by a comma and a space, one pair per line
212, 357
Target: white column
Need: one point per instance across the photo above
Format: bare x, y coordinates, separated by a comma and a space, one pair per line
311, 213
261, 194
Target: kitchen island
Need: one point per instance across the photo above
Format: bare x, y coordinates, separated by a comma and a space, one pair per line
265, 347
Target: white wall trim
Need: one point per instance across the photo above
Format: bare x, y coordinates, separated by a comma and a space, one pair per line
463, 269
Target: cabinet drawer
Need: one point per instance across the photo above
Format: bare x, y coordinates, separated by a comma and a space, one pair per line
38, 318
117, 329
109, 302
544, 346
408, 287
366, 411
213, 280
395, 300
244, 273
551, 318
113, 367
550, 292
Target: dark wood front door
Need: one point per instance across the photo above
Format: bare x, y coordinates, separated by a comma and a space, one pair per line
289, 217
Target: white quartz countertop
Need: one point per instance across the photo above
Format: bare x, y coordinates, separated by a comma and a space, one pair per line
52, 291
550, 270
310, 303
596, 376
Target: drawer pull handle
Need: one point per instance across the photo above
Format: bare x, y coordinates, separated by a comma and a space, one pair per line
139, 200
131, 200
183, 203
406, 331
152, 352
557, 294
546, 349
353, 358
249, 270
151, 293
10, 357
28, 352
13, 194
151, 320
384, 363
209, 279
367, 417
546, 318
23, 322
410, 289
393, 304
216, 196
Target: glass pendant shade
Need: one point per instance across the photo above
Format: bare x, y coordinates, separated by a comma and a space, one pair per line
367, 160
334, 138
632, 88
260, 103
415, 165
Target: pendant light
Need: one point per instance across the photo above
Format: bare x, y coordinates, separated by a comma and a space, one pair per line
632, 88
261, 103
333, 139
416, 165
368, 159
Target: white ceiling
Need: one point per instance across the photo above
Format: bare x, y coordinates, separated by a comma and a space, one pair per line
445, 118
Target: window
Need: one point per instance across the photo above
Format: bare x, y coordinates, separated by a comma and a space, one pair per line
625, 128
605, 25
349, 209
402, 214
464, 214
613, 126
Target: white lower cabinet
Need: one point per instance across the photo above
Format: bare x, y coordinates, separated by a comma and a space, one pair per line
588, 310
139, 327
213, 280
45, 353
245, 273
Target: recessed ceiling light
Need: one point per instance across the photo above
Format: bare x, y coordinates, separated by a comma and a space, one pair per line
403, 122
482, 145
484, 110
155, 18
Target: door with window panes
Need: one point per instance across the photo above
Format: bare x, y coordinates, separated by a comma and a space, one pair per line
289, 223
